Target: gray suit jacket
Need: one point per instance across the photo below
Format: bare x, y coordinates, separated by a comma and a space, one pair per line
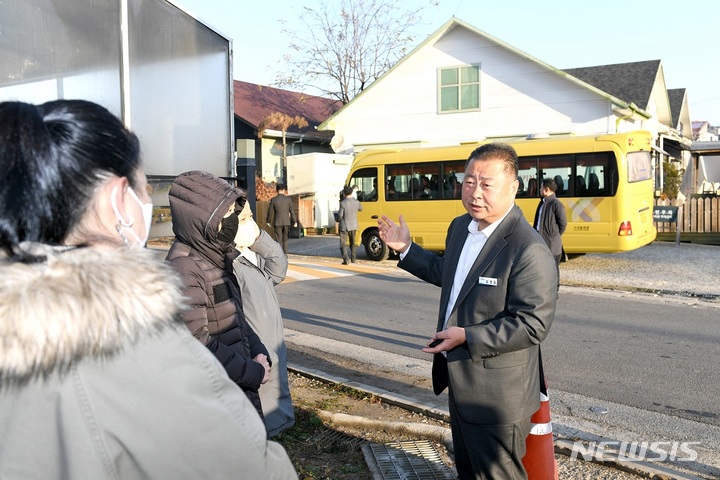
494, 378
347, 214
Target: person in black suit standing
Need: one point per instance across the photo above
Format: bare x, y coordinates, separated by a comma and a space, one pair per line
281, 215
550, 220
496, 306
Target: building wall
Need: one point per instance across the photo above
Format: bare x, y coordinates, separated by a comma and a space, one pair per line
270, 168
518, 96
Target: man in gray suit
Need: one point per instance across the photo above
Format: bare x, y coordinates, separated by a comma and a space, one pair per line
497, 303
349, 208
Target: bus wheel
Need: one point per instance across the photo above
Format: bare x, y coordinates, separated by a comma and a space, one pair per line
374, 247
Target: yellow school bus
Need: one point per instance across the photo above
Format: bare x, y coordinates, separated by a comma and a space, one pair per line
605, 182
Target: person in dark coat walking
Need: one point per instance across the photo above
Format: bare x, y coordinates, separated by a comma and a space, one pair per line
281, 215
550, 220
205, 222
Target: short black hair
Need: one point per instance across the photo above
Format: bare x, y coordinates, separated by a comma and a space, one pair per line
549, 183
495, 151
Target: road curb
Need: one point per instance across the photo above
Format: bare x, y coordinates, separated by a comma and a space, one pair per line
563, 446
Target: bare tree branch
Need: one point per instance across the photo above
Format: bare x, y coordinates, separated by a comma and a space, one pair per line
343, 46
283, 122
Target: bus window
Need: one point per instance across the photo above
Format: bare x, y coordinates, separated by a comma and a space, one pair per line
401, 175
415, 181
559, 168
527, 178
390, 190
427, 175
592, 168
452, 174
366, 182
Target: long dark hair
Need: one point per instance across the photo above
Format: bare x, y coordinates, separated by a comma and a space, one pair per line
52, 158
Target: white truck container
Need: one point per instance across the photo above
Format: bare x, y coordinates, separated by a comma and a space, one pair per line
166, 74
319, 177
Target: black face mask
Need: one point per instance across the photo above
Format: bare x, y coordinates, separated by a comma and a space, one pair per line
229, 229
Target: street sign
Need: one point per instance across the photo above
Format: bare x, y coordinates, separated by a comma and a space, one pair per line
665, 214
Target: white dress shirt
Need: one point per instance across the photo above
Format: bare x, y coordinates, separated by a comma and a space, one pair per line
474, 242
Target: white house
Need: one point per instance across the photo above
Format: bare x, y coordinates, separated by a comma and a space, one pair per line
463, 85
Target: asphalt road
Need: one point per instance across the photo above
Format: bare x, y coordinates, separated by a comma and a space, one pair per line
668, 341
649, 352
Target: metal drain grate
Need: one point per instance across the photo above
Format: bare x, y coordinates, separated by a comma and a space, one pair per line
333, 439
412, 460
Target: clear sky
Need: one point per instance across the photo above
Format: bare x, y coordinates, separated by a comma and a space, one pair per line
562, 33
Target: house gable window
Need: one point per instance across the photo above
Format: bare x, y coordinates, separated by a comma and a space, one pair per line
459, 88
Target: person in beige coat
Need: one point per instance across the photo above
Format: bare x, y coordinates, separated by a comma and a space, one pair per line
99, 377
260, 266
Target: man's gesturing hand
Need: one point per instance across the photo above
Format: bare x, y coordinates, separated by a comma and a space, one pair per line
395, 236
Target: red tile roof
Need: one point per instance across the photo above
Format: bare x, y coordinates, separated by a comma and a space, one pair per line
254, 102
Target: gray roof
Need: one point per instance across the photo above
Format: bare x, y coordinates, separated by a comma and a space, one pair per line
630, 82
676, 97
707, 147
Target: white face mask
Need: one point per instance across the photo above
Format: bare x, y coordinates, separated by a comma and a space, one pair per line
147, 210
248, 231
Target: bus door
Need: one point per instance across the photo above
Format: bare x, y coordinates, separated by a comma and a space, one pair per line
370, 192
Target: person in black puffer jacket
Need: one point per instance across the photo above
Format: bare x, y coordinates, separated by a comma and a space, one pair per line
204, 212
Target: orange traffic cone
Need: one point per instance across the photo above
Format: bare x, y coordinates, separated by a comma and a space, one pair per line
539, 459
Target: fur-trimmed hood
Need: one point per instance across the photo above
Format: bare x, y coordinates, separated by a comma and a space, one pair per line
80, 302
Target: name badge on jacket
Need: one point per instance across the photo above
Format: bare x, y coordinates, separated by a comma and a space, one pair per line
488, 281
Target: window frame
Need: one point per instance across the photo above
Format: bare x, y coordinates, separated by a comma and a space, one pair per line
459, 87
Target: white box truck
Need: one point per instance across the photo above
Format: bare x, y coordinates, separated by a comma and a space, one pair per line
165, 73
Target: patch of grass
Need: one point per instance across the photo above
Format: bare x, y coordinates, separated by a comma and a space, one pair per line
307, 424
332, 461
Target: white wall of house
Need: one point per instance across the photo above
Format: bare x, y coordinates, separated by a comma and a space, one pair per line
271, 154
517, 96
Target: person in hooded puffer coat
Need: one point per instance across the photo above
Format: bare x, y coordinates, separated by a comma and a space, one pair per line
204, 212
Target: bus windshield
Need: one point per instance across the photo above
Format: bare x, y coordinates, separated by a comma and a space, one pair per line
639, 166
